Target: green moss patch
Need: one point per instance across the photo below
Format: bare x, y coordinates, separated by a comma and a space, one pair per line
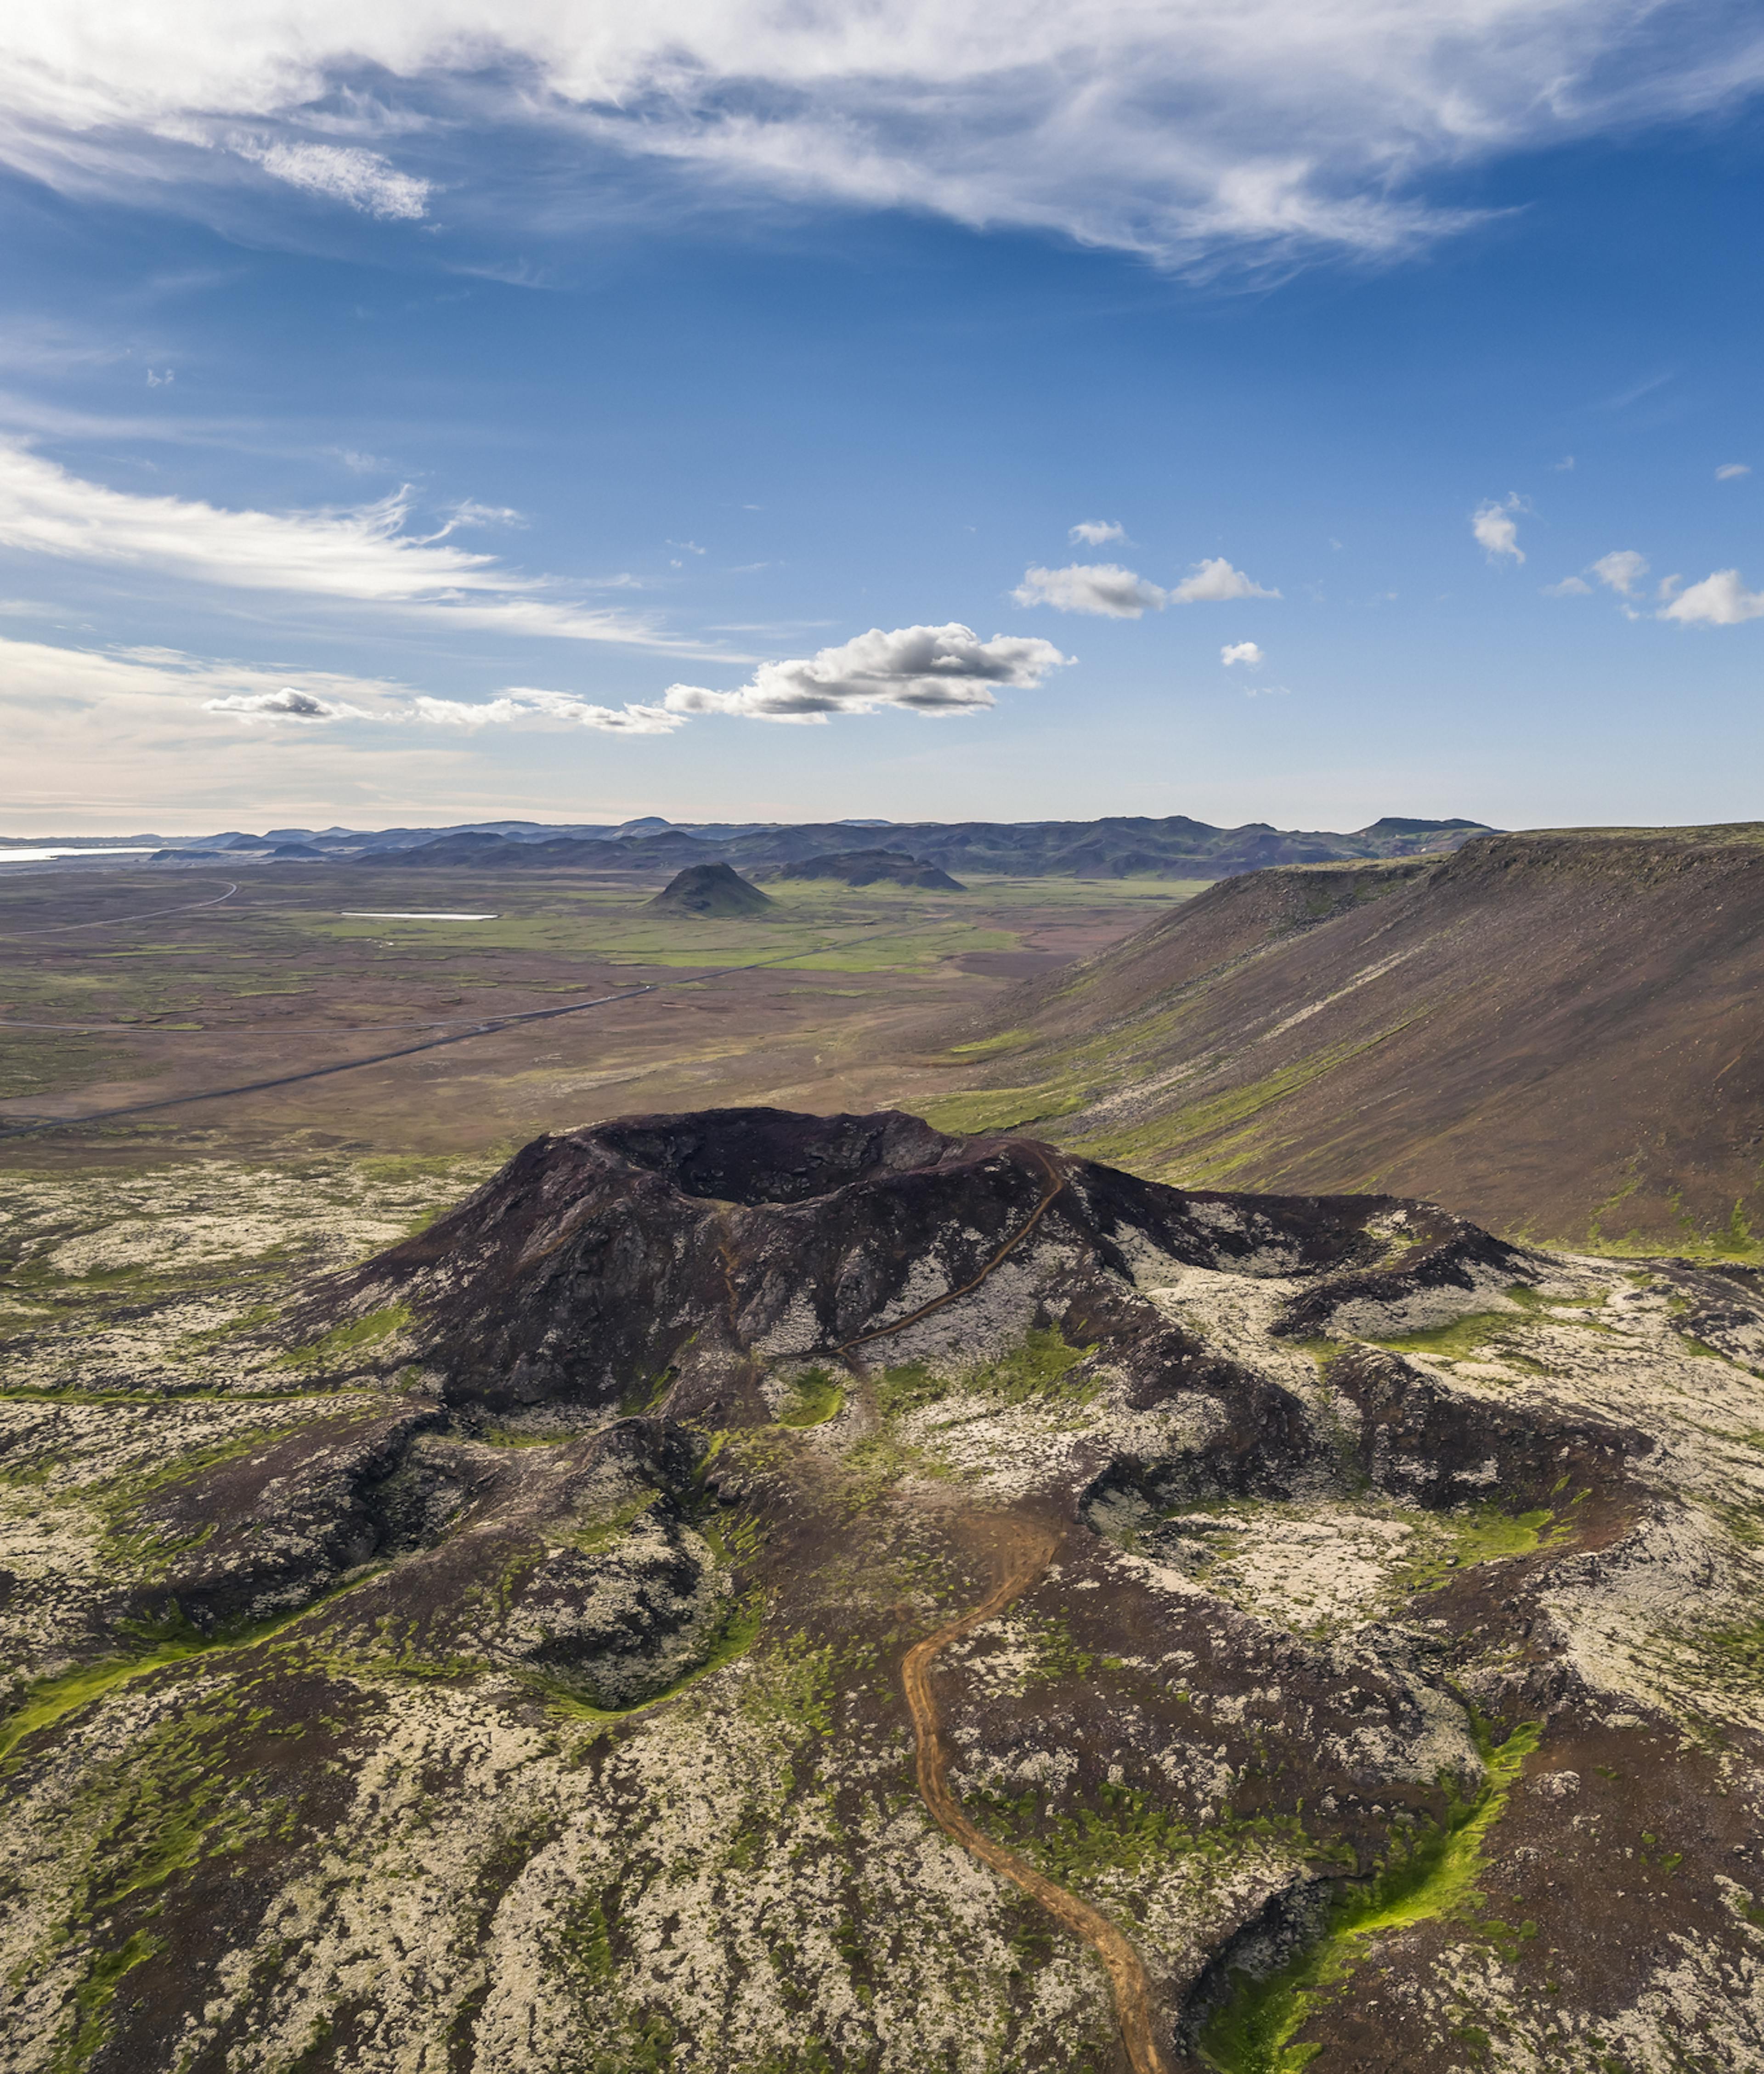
352, 1338
1433, 1876
814, 1397
1034, 1372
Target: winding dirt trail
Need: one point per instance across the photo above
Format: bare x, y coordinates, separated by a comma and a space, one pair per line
1028, 1550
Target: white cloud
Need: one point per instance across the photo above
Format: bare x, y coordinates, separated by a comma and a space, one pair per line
360, 179
1729, 470
170, 684
1564, 466
1242, 651
933, 670
518, 703
1720, 599
1568, 587
1174, 129
1097, 532
287, 703
1099, 587
1667, 586
1495, 530
1216, 581
359, 555
1620, 571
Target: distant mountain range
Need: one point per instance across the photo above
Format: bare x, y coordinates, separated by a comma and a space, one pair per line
1118, 846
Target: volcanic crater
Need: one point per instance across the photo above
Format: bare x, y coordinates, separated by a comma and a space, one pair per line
751, 1591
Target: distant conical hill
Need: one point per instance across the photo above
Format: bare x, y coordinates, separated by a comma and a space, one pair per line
716, 891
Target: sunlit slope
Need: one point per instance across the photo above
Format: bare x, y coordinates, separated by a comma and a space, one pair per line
1556, 1032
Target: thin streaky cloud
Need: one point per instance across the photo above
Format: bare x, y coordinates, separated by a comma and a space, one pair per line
1177, 131
358, 556
1730, 471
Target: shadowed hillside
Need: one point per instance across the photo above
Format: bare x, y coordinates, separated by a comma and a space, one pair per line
1556, 1033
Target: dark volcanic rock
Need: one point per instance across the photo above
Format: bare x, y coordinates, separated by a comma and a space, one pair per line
607, 1263
1278, 1552
715, 890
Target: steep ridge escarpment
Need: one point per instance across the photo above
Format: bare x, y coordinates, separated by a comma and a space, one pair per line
1556, 1033
757, 1593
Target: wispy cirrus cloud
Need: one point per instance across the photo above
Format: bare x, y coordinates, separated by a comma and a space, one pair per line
1179, 131
359, 555
936, 671
360, 179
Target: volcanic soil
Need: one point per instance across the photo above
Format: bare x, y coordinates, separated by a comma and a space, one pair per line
746, 1590
1555, 1033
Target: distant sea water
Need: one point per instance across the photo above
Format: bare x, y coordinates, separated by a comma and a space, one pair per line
46, 856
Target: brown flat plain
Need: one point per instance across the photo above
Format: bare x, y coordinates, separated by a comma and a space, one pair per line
122, 986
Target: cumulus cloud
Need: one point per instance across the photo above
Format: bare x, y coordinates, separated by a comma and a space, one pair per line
1242, 651
1568, 587
1729, 470
1216, 581
1620, 571
1099, 587
360, 179
1495, 530
936, 671
1097, 532
286, 704
1719, 599
361, 554
517, 703
1174, 130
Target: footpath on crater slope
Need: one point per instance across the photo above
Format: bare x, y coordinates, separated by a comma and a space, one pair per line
747, 1592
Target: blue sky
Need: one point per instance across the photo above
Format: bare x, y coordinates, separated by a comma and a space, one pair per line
793, 413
